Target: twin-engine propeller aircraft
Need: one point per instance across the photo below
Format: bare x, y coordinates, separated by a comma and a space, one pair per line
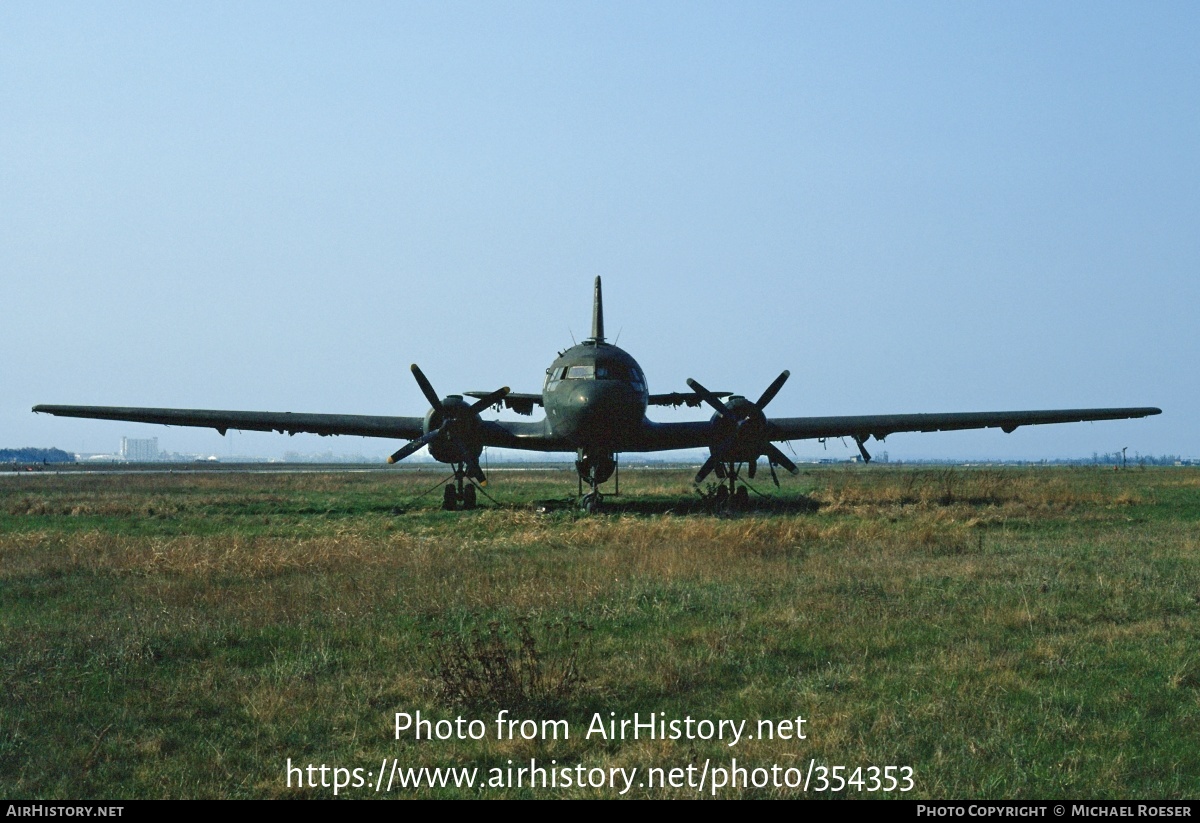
595, 397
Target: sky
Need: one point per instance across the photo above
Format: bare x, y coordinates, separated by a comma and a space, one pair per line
913, 207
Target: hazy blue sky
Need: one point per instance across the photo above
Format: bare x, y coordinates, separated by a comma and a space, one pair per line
913, 207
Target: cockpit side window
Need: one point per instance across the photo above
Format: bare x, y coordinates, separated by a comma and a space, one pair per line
638, 380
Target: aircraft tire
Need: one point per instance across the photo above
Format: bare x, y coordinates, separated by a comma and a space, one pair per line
469, 499
449, 499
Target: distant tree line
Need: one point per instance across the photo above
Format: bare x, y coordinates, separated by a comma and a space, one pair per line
1108, 459
1115, 459
31, 455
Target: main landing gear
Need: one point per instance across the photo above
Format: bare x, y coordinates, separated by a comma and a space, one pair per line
729, 495
461, 491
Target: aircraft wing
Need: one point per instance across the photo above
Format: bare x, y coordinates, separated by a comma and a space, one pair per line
880, 426
323, 424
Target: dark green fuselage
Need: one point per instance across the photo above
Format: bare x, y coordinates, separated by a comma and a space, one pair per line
595, 397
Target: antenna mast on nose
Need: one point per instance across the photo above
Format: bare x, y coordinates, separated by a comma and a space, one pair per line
598, 315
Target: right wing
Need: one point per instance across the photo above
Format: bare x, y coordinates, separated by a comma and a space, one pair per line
406, 428
880, 426
699, 434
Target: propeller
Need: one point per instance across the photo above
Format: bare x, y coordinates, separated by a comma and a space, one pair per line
455, 422
748, 436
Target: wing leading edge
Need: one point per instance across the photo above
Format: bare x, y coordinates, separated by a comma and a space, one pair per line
880, 426
283, 422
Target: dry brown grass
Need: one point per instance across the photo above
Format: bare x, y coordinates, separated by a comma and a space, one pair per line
264, 618
1020, 492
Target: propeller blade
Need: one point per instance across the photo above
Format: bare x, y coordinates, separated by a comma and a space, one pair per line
752, 468
414, 446
491, 400
427, 388
709, 465
473, 469
781, 459
773, 389
711, 399
771, 466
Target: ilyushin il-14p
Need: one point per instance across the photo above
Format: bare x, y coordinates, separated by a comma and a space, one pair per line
595, 398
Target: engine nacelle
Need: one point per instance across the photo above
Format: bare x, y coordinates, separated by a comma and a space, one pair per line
463, 432
741, 441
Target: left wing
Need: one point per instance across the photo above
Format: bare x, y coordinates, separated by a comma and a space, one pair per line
324, 424
528, 436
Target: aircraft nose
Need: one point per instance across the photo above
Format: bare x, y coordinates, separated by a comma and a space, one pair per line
600, 411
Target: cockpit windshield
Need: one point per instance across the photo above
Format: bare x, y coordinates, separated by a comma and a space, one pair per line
612, 371
604, 370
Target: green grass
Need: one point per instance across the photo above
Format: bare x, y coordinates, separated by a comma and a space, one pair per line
1008, 633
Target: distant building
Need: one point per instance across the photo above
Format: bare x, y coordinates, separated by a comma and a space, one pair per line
139, 451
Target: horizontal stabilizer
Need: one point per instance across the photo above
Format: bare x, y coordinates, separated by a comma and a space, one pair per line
682, 398
520, 402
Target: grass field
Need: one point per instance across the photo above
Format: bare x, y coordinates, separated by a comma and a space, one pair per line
1006, 633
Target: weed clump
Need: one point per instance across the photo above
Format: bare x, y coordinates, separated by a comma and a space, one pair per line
510, 667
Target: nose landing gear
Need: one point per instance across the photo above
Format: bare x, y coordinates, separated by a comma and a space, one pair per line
591, 502
595, 469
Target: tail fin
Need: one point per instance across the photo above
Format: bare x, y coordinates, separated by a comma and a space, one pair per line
598, 314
